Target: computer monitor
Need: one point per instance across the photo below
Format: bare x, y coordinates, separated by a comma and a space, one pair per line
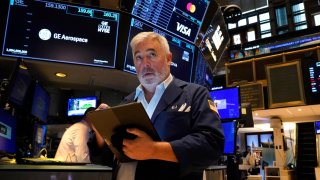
78, 106
183, 18
7, 132
40, 103
19, 87
230, 136
61, 32
182, 51
317, 127
246, 119
228, 102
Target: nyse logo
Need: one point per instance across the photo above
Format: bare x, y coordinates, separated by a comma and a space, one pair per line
183, 29
104, 27
217, 38
211, 50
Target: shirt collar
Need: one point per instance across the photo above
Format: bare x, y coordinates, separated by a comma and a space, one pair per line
164, 85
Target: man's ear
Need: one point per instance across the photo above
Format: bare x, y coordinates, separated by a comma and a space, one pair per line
169, 58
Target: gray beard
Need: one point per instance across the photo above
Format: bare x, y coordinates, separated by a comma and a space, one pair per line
151, 85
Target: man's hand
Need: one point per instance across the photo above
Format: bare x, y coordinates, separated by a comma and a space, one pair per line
102, 106
140, 148
143, 147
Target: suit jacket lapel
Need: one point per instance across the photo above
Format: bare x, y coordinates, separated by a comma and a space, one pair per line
169, 95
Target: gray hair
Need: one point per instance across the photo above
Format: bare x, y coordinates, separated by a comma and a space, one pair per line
155, 36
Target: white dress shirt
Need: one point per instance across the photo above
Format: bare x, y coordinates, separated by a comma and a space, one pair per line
127, 170
73, 145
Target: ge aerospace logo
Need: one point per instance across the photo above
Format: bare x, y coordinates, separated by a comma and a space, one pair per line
44, 34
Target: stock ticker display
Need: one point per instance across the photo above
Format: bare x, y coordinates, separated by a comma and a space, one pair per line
183, 17
182, 51
61, 32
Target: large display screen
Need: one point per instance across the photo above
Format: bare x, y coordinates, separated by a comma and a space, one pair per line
78, 106
183, 17
7, 132
314, 75
215, 40
228, 102
182, 51
40, 103
60, 32
311, 80
230, 134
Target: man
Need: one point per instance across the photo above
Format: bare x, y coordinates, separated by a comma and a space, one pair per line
73, 146
182, 113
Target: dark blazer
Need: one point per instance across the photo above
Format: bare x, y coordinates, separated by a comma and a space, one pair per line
196, 136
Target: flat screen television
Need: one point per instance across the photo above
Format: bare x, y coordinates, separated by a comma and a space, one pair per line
266, 140
214, 36
317, 127
78, 106
40, 103
230, 136
182, 51
252, 140
311, 80
19, 86
7, 132
64, 32
183, 18
228, 102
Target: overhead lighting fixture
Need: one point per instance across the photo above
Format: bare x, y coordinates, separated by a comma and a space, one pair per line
22, 66
61, 75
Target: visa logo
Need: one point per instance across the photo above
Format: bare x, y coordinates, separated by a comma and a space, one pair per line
183, 29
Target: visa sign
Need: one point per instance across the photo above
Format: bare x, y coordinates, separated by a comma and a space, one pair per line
183, 29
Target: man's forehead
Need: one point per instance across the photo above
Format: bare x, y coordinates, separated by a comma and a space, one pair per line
147, 46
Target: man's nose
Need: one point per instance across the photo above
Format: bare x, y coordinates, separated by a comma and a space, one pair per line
145, 61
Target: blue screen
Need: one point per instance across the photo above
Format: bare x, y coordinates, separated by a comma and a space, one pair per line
228, 102
317, 127
77, 106
40, 104
182, 51
7, 132
229, 129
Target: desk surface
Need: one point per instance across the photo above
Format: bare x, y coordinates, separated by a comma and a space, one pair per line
88, 167
210, 168
244, 166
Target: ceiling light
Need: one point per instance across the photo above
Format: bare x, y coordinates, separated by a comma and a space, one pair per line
299, 109
61, 75
22, 66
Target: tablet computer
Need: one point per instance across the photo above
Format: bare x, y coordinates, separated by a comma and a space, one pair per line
111, 123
